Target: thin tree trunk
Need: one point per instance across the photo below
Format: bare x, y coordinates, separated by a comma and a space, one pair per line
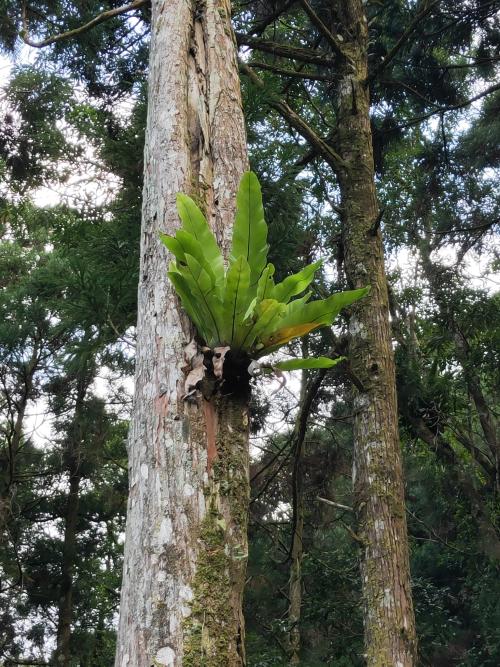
14, 438
73, 456
308, 393
486, 416
186, 544
390, 637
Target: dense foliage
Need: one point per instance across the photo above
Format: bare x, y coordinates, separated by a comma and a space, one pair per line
73, 119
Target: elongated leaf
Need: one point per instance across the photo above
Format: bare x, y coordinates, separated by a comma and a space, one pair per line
284, 335
236, 302
265, 283
191, 246
323, 311
201, 286
195, 223
315, 362
250, 229
293, 285
190, 304
174, 246
266, 315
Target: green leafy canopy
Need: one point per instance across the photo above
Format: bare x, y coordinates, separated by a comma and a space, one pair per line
242, 307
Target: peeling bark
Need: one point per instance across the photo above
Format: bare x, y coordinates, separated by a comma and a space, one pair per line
185, 548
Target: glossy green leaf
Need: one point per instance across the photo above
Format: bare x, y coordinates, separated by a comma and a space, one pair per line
323, 311
267, 313
295, 284
202, 288
190, 304
236, 301
195, 223
172, 244
315, 362
250, 229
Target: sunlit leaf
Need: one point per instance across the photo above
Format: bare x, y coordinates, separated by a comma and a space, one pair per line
293, 285
250, 229
314, 362
195, 223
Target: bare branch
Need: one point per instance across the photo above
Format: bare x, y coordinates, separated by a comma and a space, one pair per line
100, 18
333, 504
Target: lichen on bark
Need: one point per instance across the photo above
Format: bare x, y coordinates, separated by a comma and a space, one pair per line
211, 635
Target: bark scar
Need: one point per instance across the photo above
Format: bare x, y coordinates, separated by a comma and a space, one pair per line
211, 429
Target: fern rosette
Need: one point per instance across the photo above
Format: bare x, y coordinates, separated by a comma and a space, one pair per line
241, 307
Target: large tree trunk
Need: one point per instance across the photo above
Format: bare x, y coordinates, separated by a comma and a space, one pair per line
186, 544
377, 472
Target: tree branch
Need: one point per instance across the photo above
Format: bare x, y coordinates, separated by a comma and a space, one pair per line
282, 71
282, 51
401, 41
298, 123
439, 110
259, 28
323, 29
333, 504
100, 18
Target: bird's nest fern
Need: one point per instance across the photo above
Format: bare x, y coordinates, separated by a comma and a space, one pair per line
240, 309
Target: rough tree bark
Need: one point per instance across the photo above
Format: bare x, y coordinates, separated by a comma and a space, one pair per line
186, 544
377, 471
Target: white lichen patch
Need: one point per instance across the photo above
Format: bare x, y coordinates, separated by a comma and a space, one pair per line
388, 598
188, 490
165, 657
357, 328
166, 531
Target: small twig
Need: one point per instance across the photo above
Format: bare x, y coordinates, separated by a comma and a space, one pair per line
334, 504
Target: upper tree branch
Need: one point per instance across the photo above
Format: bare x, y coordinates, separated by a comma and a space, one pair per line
334, 42
100, 18
293, 52
258, 28
298, 123
282, 71
402, 40
453, 107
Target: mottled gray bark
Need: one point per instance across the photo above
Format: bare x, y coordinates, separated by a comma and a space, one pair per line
181, 488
